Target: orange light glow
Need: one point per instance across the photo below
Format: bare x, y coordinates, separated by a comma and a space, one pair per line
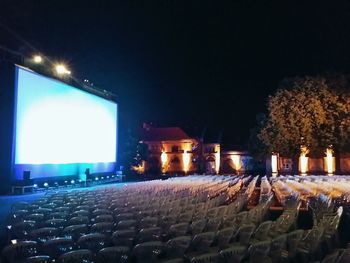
303, 160
140, 169
186, 161
236, 159
164, 159
217, 162
329, 161
274, 165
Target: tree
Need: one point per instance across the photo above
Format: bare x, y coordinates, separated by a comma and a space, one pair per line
255, 145
308, 111
131, 151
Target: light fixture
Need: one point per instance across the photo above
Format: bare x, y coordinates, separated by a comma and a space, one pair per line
37, 59
303, 160
62, 70
274, 164
186, 161
330, 163
46, 184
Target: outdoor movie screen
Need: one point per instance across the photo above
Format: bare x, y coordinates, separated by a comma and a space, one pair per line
60, 129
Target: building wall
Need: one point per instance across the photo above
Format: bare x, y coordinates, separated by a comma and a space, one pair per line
236, 162
169, 157
212, 155
314, 165
177, 155
345, 163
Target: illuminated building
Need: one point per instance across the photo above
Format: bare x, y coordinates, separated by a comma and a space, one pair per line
172, 151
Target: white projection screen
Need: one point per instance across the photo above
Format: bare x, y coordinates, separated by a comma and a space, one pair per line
60, 129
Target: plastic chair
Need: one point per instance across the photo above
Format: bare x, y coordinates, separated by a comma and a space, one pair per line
81, 255
309, 244
19, 251
148, 251
178, 229
126, 224
62, 209
185, 217
224, 237
331, 230
174, 260
22, 229
332, 258
113, 254
198, 215
201, 242
20, 206
57, 223
103, 228
293, 239
167, 221
80, 213
38, 218
278, 247
198, 226
38, 259
101, 211
83, 207
344, 256
124, 216
244, 234
177, 246
213, 224
233, 254
43, 234
57, 215
148, 222
258, 250
262, 231
206, 258
124, 237
75, 231
212, 212
42, 210
103, 218
18, 215
149, 234
78, 220
93, 242
57, 246
241, 218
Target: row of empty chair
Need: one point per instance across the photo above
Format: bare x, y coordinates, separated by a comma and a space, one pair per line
186, 219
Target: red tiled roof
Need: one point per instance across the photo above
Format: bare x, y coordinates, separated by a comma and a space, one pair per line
163, 134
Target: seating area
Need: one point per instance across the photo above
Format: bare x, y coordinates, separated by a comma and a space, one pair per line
183, 219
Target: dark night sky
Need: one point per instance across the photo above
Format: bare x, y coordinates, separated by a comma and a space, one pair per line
194, 64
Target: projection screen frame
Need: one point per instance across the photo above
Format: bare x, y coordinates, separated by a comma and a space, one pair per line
54, 171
